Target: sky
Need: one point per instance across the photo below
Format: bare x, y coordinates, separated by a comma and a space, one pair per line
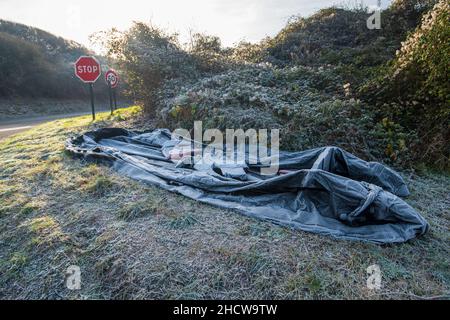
231, 20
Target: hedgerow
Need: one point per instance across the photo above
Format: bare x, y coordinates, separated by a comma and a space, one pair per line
322, 80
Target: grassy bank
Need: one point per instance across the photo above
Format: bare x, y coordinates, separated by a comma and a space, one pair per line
136, 241
20, 109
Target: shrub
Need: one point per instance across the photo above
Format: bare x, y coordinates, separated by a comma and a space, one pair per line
314, 81
425, 57
208, 54
414, 91
149, 56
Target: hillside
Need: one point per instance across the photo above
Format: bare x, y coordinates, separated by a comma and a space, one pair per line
51, 45
36, 64
320, 80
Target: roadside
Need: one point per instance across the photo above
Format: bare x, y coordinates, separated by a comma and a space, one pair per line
18, 115
12, 109
134, 241
13, 126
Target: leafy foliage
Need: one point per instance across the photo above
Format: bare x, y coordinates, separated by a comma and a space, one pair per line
208, 53
149, 56
425, 57
414, 91
37, 64
314, 81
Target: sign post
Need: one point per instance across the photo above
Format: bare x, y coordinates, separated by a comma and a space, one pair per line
112, 79
110, 97
87, 69
91, 91
115, 99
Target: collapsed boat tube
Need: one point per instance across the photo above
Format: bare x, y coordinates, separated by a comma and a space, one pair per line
324, 190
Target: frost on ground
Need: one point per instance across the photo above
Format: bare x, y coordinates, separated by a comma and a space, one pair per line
135, 241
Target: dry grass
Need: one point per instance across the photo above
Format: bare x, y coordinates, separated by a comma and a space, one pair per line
134, 241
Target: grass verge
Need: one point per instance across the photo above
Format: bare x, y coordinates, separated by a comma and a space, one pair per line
134, 241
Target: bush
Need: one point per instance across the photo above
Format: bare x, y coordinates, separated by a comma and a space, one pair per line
425, 57
208, 53
148, 56
306, 81
307, 104
414, 91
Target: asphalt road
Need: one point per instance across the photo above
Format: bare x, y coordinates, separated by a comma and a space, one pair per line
10, 127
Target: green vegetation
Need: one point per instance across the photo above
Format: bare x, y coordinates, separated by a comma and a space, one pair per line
325, 79
134, 241
414, 90
322, 80
37, 64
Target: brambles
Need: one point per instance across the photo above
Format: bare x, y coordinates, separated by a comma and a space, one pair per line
414, 90
149, 56
325, 79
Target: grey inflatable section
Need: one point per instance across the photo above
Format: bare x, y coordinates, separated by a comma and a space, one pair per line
325, 190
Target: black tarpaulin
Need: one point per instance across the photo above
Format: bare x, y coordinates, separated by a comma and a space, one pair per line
325, 190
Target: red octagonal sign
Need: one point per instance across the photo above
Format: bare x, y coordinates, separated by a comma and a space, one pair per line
87, 69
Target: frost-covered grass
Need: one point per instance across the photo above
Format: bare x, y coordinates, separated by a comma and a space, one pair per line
134, 241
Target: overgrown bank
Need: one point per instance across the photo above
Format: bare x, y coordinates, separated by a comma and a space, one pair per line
321, 80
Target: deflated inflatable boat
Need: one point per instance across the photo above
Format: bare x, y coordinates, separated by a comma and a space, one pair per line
325, 190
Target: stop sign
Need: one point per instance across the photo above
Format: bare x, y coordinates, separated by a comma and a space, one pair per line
87, 69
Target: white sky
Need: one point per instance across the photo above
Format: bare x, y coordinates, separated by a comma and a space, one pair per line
231, 20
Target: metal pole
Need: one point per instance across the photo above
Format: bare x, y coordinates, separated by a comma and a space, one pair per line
91, 89
115, 99
110, 97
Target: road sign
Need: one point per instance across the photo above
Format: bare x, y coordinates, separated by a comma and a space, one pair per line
112, 78
87, 69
